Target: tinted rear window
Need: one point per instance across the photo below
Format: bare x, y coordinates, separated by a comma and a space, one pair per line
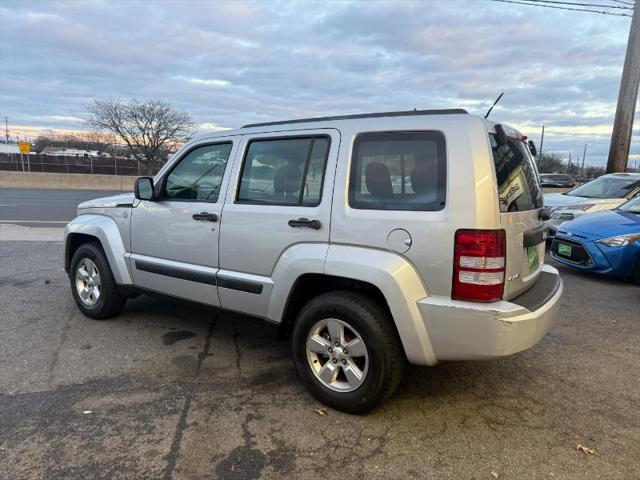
398, 171
518, 182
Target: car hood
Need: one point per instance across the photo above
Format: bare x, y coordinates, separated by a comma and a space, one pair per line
121, 200
604, 224
554, 200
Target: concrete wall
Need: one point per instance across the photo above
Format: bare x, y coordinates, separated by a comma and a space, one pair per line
69, 181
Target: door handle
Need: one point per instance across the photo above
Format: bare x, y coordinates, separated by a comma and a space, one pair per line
205, 216
305, 223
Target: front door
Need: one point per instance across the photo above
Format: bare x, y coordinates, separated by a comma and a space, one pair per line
174, 240
280, 198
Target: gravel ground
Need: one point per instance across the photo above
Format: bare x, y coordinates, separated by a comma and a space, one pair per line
173, 391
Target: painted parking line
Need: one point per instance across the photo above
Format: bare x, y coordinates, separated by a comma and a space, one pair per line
20, 233
64, 222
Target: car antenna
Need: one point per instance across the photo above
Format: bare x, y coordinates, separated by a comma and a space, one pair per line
494, 104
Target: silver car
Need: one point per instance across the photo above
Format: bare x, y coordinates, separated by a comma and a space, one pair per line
373, 240
607, 192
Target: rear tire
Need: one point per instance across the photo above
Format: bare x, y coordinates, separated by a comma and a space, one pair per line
92, 284
356, 380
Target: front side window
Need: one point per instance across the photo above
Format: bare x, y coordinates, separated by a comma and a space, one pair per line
398, 171
284, 171
199, 174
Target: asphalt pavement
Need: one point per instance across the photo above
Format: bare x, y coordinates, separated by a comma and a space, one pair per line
43, 208
172, 391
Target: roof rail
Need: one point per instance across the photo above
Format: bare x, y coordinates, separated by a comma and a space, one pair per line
406, 113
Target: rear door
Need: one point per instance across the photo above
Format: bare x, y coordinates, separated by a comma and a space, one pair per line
520, 200
280, 197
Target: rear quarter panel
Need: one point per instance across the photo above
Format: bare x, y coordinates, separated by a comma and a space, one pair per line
471, 199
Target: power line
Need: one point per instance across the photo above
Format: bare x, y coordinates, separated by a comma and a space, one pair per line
581, 4
623, 3
516, 2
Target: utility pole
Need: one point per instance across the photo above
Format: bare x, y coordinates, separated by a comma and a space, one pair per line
584, 154
623, 123
541, 142
569, 165
6, 130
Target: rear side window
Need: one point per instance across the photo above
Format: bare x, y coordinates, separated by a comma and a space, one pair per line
398, 171
284, 171
518, 183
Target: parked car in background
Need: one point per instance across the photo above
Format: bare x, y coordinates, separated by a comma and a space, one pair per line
371, 239
557, 180
603, 193
605, 242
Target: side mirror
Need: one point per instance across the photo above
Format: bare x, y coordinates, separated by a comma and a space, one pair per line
544, 214
532, 148
144, 188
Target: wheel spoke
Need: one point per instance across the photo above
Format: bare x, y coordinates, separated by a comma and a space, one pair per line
84, 293
336, 330
83, 273
356, 348
318, 344
96, 280
353, 373
328, 373
95, 293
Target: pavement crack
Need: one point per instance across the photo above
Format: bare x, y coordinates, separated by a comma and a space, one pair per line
181, 426
237, 347
63, 338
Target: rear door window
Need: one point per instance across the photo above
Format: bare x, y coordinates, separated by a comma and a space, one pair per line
284, 171
517, 175
398, 171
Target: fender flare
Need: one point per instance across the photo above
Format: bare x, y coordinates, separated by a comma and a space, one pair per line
297, 260
401, 286
106, 231
392, 274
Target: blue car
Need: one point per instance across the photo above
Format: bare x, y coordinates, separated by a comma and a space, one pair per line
603, 242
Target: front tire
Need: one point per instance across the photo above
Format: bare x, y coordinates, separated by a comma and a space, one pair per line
92, 284
347, 351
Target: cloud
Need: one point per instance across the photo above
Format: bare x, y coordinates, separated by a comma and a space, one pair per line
233, 63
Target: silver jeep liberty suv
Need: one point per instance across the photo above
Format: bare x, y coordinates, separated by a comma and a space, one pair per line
374, 239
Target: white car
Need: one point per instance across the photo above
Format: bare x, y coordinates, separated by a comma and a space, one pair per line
604, 193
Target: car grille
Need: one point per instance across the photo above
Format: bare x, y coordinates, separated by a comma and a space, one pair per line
579, 254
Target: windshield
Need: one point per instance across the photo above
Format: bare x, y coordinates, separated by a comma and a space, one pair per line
606, 187
517, 175
632, 206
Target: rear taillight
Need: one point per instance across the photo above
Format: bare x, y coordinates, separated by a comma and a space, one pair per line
479, 265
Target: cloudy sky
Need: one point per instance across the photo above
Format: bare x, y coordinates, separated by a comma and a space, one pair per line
231, 63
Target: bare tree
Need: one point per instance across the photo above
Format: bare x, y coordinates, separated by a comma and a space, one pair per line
148, 128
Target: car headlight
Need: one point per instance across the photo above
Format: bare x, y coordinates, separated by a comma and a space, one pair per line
620, 240
563, 216
583, 207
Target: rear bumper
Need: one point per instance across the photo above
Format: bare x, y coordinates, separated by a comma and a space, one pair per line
471, 331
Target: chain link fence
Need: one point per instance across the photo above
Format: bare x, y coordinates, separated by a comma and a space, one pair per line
16, 162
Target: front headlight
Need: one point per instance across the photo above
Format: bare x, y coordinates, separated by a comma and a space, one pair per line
620, 240
563, 216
